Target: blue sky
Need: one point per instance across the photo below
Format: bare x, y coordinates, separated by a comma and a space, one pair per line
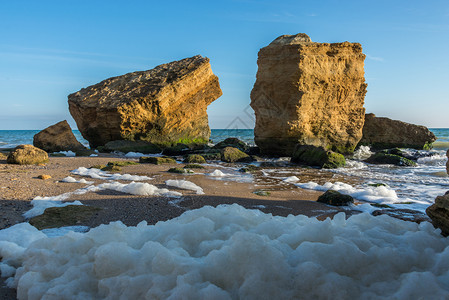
49, 49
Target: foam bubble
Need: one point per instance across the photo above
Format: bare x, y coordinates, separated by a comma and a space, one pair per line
378, 194
291, 179
362, 153
230, 252
138, 188
70, 179
99, 174
67, 153
184, 184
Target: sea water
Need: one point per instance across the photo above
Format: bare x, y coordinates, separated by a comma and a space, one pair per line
13, 138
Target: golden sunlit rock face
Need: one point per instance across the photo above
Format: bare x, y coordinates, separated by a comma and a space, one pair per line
309, 93
163, 105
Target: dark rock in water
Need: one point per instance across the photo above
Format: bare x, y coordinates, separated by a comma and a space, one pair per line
317, 156
177, 170
193, 166
132, 146
390, 159
177, 150
308, 93
58, 137
403, 214
249, 169
167, 104
212, 155
253, 151
384, 133
69, 215
439, 213
231, 154
195, 159
27, 155
232, 142
335, 198
156, 160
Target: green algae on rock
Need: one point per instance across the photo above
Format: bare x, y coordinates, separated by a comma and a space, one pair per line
194, 159
335, 198
231, 154
157, 160
390, 159
317, 156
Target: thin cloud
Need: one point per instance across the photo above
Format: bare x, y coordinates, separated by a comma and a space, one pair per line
375, 58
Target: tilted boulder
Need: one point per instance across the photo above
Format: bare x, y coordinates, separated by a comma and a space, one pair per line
384, 133
308, 93
164, 105
58, 137
27, 155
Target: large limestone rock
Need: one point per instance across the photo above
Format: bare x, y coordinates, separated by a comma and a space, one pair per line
27, 155
308, 93
58, 137
163, 105
384, 133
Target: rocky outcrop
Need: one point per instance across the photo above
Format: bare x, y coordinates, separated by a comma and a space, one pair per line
308, 93
231, 154
335, 198
164, 105
58, 137
389, 159
439, 213
27, 155
384, 133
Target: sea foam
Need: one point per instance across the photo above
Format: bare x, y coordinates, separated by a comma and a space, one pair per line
230, 252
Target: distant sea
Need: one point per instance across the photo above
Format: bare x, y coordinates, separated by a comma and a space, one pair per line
12, 138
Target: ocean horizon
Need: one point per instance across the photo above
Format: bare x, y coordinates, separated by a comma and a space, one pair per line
13, 138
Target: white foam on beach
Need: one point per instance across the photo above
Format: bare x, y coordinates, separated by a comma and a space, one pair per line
41, 203
234, 176
380, 194
56, 232
70, 179
138, 188
186, 185
99, 174
434, 160
291, 179
67, 153
230, 252
362, 153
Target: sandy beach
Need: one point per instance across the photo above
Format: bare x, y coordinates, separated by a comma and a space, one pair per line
20, 184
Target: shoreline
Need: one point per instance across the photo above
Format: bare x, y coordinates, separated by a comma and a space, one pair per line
19, 185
